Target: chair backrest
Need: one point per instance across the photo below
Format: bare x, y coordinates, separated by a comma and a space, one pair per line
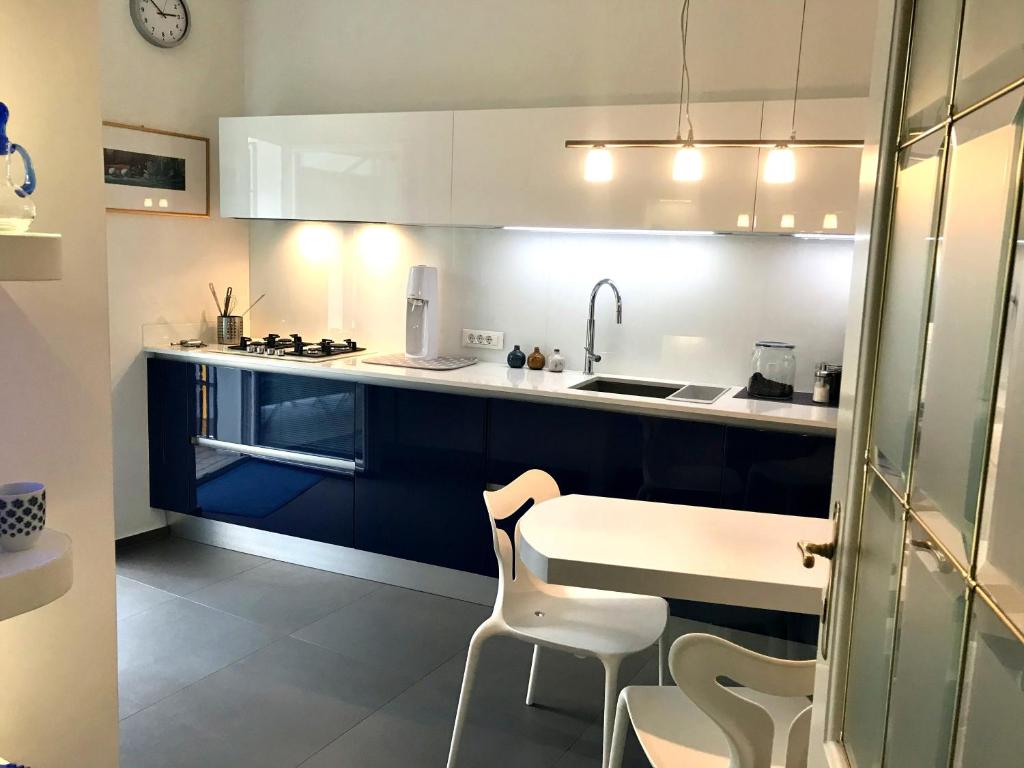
505, 507
698, 661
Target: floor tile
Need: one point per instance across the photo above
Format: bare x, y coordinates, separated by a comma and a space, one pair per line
176, 643
282, 596
181, 566
278, 706
398, 628
500, 729
134, 597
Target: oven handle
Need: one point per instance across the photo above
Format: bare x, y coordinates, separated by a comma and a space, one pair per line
345, 466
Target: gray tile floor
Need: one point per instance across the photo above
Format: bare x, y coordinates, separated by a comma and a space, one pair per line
227, 659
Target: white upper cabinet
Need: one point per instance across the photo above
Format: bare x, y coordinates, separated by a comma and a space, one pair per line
511, 167
827, 180
393, 167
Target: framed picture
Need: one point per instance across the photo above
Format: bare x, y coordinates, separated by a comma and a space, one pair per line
159, 172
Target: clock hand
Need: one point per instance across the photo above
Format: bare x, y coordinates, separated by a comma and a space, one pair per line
158, 9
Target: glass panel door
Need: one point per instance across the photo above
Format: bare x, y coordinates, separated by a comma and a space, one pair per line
925, 674
992, 704
877, 590
967, 307
904, 319
935, 668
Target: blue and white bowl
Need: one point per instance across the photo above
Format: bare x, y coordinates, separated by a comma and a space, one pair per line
22, 515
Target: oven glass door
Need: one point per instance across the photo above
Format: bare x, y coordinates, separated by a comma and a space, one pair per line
277, 452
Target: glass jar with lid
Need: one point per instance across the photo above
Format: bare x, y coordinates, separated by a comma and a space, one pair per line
773, 370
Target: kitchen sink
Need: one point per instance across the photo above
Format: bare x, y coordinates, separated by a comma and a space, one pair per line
692, 393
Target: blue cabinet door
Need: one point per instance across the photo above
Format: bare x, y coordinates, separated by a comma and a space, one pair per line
779, 472
602, 453
419, 491
171, 409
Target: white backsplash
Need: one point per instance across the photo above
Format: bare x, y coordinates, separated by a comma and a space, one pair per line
692, 306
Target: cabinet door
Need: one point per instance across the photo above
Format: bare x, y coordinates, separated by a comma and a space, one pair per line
511, 168
419, 494
778, 472
827, 180
586, 451
172, 418
386, 167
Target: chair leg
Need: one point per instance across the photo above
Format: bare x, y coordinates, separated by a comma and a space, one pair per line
611, 691
472, 657
662, 655
530, 687
619, 733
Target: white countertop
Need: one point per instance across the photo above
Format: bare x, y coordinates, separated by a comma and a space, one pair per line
498, 380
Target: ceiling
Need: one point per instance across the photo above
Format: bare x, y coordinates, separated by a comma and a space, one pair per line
365, 55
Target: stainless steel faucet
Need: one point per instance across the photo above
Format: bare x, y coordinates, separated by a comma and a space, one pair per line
591, 356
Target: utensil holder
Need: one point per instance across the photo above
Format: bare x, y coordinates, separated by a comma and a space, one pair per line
229, 329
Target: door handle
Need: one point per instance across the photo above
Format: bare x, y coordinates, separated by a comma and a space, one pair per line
808, 550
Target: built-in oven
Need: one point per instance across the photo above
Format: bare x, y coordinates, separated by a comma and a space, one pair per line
277, 452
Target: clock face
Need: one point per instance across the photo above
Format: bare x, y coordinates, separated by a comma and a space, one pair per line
161, 22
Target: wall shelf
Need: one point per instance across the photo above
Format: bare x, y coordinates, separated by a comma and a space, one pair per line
30, 256
35, 577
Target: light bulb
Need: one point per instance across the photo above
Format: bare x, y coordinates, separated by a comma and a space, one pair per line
689, 165
743, 221
598, 168
780, 167
831, 221
788, 221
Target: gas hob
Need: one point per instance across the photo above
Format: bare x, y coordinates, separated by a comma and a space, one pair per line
294, 348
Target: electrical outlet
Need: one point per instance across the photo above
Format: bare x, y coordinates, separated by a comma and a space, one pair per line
483, 339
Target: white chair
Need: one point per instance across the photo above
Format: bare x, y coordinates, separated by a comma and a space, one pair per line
705, 724
585, 622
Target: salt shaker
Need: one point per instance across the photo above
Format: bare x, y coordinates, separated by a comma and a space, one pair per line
822, 382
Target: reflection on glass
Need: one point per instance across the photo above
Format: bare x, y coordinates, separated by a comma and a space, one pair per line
873, 624
1000, 565
927, 657
992, 703
904, 312
967, 305
931, 64
991, 49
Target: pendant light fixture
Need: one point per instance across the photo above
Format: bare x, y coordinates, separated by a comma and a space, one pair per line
780, 165
688, 165
598, 167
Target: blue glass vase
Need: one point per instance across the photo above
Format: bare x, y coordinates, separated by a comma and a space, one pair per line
516, 358
17, 211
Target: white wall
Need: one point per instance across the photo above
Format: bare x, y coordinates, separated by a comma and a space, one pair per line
692, 306
322, 56
160, 266
59, 672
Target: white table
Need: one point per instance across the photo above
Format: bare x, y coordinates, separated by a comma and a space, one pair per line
711, 555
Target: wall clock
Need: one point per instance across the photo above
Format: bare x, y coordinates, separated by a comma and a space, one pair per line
164, 23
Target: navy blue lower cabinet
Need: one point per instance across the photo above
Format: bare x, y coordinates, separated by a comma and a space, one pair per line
418, 494
602, 453
171, 407
780, 472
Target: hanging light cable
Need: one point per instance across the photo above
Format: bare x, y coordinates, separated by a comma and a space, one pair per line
780, 166
688, 165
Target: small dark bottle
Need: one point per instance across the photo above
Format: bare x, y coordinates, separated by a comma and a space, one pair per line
516, 358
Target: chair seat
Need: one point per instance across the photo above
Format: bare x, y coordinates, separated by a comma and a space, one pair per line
587, 620
675, 733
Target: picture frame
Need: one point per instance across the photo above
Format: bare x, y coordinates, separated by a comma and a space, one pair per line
155, 172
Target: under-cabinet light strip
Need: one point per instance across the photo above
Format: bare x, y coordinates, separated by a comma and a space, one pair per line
678, 232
